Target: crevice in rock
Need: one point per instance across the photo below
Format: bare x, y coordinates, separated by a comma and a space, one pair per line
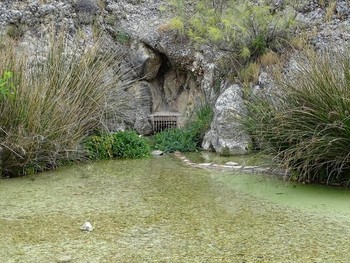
163, 69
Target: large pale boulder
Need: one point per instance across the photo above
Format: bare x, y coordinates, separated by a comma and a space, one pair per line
226, 135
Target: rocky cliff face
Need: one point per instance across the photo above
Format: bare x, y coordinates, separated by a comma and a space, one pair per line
159, 81
165, 71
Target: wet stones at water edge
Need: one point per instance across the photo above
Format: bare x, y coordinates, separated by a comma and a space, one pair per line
232, 166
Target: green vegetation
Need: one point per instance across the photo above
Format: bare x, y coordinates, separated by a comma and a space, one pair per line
307, 124
6, 88
173, 140
188, 138
48, 106
245, 28
122, 37
124, 144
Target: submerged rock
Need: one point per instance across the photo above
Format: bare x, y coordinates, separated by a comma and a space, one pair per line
87, 227
231, 164
157, 153
64, 259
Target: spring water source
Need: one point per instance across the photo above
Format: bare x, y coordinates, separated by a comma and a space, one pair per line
159, 210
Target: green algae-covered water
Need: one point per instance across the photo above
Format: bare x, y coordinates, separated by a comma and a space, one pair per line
158, 210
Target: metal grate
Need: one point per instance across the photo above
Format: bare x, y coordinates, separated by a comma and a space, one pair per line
165, 120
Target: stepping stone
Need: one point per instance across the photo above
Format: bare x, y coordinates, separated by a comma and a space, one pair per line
205, 164
231, 163
157, 153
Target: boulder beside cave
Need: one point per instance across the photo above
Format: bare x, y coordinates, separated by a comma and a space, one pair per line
226, 136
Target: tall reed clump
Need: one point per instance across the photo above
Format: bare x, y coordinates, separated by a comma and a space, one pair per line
49, 103
307, 123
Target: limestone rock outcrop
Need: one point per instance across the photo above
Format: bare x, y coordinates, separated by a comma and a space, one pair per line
145, 61
226, 136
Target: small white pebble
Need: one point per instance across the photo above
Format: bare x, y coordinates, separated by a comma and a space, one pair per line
87, 227
64, 259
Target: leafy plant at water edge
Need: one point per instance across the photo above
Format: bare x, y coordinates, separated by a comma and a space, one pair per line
188, 138
126, 144
307, 123
200, 121
172, 140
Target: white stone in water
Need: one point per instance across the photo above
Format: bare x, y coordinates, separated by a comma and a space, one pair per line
64, 259
87, 227
157, 153
231, 163
205, 164
228, 166
250, 167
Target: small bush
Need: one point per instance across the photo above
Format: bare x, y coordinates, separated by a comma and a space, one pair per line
270, 58
7, 89
189, 138
122, 37
125, 144
330, 11
307, 124
172, 140
200, 122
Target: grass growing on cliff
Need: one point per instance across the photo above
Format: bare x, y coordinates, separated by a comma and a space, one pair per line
307, 124
246, 29
48, 106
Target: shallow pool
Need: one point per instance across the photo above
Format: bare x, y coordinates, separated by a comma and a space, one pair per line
159, 210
